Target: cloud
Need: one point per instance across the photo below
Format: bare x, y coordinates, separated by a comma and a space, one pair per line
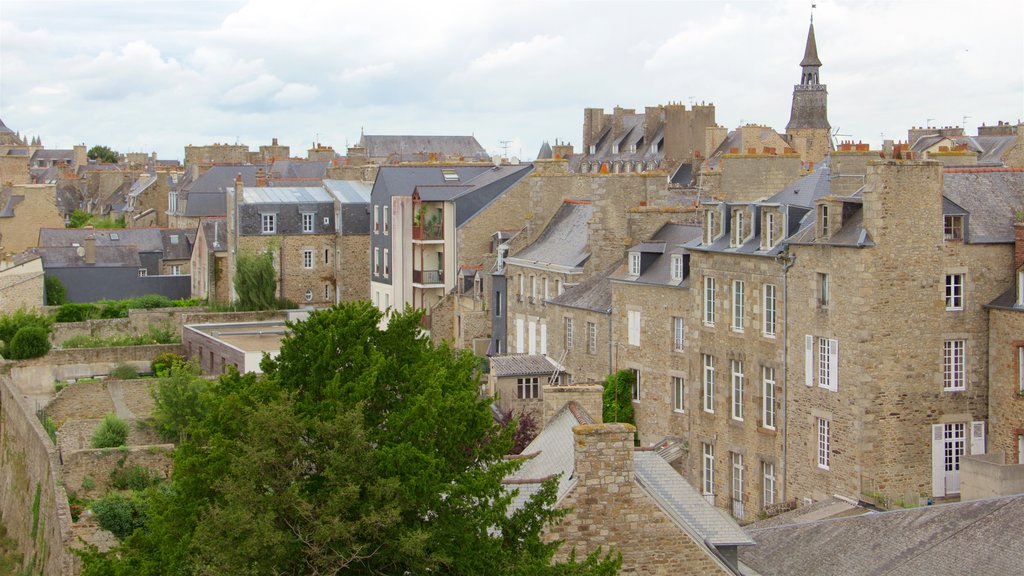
531, 51
292, 94
367, 73
259, 89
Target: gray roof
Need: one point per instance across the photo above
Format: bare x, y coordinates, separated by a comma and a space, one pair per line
594, 293
303, 169
43, 154
565, 240
141, 184
177, 244
405, 148
207, 195
976, 537
141, 239
666, 242
4, 129
523, 365
286, 195
991, 196
811, 50
349, 191
215, 231
74, 257
545, 152
555, 454
804, 191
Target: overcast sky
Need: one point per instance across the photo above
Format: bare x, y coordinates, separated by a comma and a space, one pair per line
157, 75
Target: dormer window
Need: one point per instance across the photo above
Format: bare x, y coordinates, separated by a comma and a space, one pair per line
677, 267
823, 220
615, 148
709, 226
632, 148
593, 149
634, 263
768, 233
737, 227
953, 228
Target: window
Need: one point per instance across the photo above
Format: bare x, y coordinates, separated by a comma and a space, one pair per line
497, 304
823, 219
172, 202
387, 262
522, 287
823, 289
591, 338
615, 148
1020, 288
738, 290
633, 320
568, 333
708, 476
376, 219
376, 261
307, 258
709, 383
634, 263
768, 485
677, 334
768, 397
737, 389
677, 393
308, 295
533, 289
827, 356
823, 444
268, 223
709, 301
709, 227
737, 478
546, 293
953, 374
954, 291
737, 227
307, 222
175, 269
768, 323
677, 267
593, 149
1020, 369
386, 220
953, 228
327, 256
450, 175
636, 385
769, 230
143, 272
327, 291
528, 388
558, 286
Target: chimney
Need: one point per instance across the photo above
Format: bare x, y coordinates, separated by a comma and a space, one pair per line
90, 249
604, 460
273, 141
261, 177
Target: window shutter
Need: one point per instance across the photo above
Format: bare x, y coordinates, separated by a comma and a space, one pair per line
833, 366
544, 338
938, 470
978, 437
809, 360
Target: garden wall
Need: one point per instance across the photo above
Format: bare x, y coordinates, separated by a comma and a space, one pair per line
100, 464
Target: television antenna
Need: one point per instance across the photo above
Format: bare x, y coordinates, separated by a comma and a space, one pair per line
504, 148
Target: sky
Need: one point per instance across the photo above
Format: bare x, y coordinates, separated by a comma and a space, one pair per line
156, 75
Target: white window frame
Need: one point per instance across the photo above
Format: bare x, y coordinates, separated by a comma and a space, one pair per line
953, 227
633, 327
376, 219
678, 333
387, 262
709, 300
268, 223
568, 333
528, 388
1020, 288
376, 261
737, 476
739, 291
736, 370
307, 222
955, 292
768, 484
708, 471
769, 321
175, 269
769, 230
709, 226
737, 227
636, 386
385, 219
954, 368
708, 362
1020, 372
768, 397
824, 444
307, 259
678, 394
143, 272
634, 263
677, 267
828, 363
824, 290
592, 337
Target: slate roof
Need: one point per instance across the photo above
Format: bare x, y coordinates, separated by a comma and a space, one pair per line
177, 244
139, 239
991, 196
286, 195
594, 293
207, 195
106, 256
306, 169
545, 152
976, 537
406, 148
43, 154
811, 50
4, 129
349, 191
523, 365
564, 242
141, 184
666, 242
555, 454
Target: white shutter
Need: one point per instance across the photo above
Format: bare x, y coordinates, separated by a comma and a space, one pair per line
938, 470
543, 337
519, 335
833, 366
809, 360
531, 343
978, 437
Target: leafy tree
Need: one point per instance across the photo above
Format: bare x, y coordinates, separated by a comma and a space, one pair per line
113, 432
617, 405
103, 154
360, 450
161, 364
118, 513
29, 342
54, 291
78, 218
255, 280
524, 426
181, 397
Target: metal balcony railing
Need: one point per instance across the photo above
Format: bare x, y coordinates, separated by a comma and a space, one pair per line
428, 232
428, 276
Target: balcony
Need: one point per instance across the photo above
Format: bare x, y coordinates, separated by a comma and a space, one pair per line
428, 232
425, 277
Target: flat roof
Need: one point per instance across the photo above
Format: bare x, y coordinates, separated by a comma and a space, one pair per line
245, 336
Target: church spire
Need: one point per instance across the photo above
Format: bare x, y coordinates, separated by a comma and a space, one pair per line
810, 63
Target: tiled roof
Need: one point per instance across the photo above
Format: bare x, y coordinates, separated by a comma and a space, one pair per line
594, 293
976, 537
140, 239
523, 365
73, 257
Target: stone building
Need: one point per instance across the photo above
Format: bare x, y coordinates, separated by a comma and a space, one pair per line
384, 150
21, 283
24, 210
517, 383
209, 261
808, 130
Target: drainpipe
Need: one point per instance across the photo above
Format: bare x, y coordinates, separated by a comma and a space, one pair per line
609, 340
787, 263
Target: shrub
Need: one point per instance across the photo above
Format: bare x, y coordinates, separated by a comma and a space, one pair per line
180, 398
11, 323
135, 478
161, 365
29, 342
72, 312
124, 372
88, 483
112, 432
55, 292
118, 514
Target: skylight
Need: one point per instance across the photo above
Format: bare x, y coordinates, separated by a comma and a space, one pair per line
450, 175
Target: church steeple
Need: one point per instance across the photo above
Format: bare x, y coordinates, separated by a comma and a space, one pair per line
808, 131
810, 63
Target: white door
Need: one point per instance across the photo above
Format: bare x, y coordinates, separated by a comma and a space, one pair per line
950, 449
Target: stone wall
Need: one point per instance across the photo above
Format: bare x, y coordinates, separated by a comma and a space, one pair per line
38, 209
989, 476
353, 267
294, 279
87, 362
99, 465
29, 471
94, 400
76, 434
1005, 402
587, 396
22, 287
749, 177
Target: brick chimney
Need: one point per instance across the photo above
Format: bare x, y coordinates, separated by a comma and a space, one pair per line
604, 462
1018, 245
90, 249
261, 177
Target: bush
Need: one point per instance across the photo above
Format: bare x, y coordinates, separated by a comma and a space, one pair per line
113, 432
156, 335
118, 514
161, 365
124, 372
29, 342
135, 478
11, 323
55, 292
180, 399
71, 312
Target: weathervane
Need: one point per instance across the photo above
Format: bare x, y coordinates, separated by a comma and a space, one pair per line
813, 6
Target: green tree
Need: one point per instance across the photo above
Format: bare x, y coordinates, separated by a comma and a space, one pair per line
180, 397
255, 279
79, 218
54, 291
360, 450
103, 154
617, 405
112, 432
